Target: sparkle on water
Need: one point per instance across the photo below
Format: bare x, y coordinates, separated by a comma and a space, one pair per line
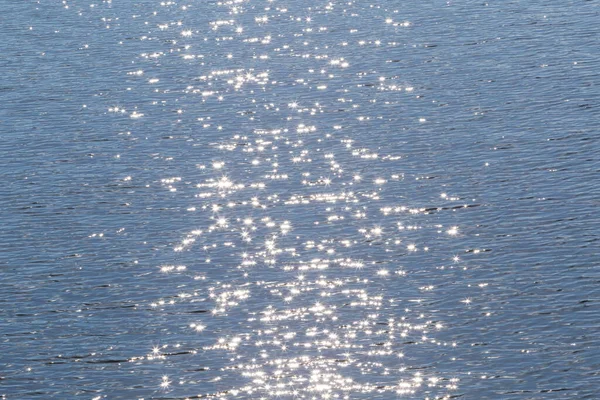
313, 308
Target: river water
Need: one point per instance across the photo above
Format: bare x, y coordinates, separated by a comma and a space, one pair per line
281, 199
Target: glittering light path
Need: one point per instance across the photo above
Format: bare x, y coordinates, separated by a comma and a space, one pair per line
315, 250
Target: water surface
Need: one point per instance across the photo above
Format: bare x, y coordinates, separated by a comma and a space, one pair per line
276, 199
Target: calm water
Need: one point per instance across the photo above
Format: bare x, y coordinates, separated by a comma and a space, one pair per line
283, 199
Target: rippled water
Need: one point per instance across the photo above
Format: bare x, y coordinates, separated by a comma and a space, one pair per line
306, 200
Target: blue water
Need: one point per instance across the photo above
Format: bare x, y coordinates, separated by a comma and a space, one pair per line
248, 199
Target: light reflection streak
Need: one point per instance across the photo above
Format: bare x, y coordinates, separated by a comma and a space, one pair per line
297, 213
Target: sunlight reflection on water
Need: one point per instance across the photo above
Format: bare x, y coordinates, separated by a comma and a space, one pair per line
306, 256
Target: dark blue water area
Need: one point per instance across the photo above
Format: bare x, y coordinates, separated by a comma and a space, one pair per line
283, 199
